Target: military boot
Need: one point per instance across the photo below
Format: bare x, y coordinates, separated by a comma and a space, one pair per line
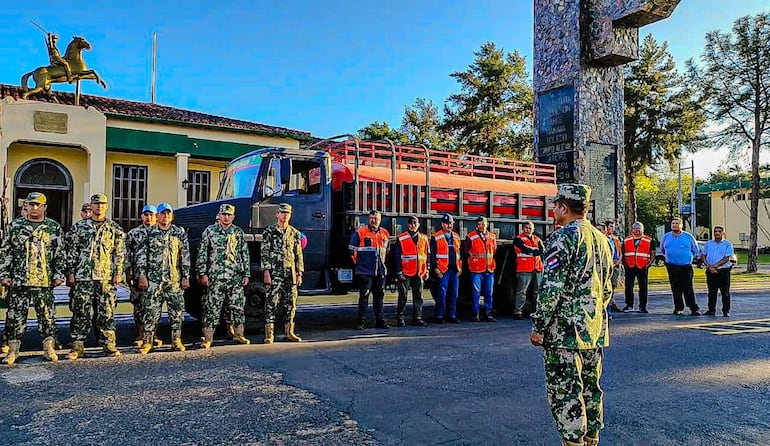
590, 441
208, 337
290, 333
110, 347
269, 333
572, 443
237, 332
158, 342
146, 346
78, 350
49, 349
176, 341
138, 336
4, 349
13, 352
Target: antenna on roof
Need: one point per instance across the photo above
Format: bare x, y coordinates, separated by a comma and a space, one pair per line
154, 66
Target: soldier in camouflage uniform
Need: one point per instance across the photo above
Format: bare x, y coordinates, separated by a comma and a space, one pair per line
570, 322
95, 253
135, 239
163, 263
283, 265
223, 267
32, 265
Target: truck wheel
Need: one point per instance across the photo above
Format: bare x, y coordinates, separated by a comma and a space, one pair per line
193, 302
255, 300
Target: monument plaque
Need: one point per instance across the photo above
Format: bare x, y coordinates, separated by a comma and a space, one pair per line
50, 122
556, 131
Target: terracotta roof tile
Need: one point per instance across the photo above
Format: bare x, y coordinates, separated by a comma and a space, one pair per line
134, 110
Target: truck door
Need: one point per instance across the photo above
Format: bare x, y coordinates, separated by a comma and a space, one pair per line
305, 184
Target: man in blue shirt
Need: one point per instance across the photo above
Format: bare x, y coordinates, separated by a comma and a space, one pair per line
717, 255
680, 249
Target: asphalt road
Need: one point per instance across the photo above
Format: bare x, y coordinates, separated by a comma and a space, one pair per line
669, 380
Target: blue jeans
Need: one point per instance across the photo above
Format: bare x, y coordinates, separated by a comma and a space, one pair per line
446, 295
481, 284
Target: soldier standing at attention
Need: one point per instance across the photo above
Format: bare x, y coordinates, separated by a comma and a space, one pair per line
223, 267
95, 255
479, 248
85, 211
283, 266
446, 265
410, 254
163, 263
135, 239
32, 265
368, 248
570, 322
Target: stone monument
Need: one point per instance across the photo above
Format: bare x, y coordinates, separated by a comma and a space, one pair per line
579, 52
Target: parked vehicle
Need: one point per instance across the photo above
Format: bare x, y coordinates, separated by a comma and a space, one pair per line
333, 185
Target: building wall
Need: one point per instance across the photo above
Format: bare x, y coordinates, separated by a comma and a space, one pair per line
733, 214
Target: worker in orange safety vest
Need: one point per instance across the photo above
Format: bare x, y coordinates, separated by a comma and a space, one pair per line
529, 268
446, 266
410, 256
638, 255
479, 249
368, 247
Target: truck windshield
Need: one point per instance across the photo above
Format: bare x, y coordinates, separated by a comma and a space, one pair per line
240, 177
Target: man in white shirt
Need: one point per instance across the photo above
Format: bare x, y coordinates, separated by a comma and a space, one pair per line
717, 255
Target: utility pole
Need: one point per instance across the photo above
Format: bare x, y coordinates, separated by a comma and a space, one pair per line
690, 208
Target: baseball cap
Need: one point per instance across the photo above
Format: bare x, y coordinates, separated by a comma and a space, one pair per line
99, 198
165, 207
85, 207
413, 218
480, 219
285, 208
227, 209
149, 208
572, 191
36, 197
447, 218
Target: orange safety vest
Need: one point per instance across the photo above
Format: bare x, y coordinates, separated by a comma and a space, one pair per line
637, 257
379, 244
442, 251
481, 253
414, 258
616, 241
526, 263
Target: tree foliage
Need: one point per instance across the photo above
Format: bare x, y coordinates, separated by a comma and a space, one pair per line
734, 77
492, 114
662, 115
379, 131
422, 125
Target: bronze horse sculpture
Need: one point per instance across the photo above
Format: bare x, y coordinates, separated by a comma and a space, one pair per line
45, 76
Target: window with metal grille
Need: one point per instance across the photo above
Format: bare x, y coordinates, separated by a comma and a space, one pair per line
199, 182
129, 194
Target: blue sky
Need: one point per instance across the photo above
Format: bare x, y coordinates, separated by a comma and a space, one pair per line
327, 67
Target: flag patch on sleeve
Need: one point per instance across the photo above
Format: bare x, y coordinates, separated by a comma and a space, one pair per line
553, 262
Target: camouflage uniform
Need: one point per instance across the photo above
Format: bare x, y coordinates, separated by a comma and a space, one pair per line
223, 256
282, 256
95, 254
572, 317
164, 259
135, 238
33, 258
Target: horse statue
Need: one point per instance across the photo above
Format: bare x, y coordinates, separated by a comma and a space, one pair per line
55, 73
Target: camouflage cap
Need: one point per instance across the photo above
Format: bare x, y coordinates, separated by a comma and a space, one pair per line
36, 197
99, 198
572, 191
227, 209
285, 208
85, 207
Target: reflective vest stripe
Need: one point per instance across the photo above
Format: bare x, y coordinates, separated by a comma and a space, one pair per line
526, 263
414, 258
442, 251
637, 256
481, 253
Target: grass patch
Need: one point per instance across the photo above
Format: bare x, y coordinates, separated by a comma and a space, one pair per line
659, 275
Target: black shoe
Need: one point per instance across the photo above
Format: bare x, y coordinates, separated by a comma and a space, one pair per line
643, 310
438, 320
710, 313
382, 324
518, 317
419, 323
475, 318
726, 314
401, 323
361, 325
614, 307
695, 313
678, 312
453, 320
490, 319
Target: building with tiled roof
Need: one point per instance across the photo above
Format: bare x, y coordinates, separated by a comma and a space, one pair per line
135, 152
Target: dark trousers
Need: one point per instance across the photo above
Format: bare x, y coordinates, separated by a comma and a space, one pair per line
639, 275
680, 278
719, 281
413, 283
374, 285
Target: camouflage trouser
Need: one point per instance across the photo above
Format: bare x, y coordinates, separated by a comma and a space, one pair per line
152, 305
98, 296
19, 300
136, 296
281, 300
227, 293
572, 384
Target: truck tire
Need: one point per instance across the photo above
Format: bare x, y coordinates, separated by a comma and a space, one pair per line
193, 301
256, 293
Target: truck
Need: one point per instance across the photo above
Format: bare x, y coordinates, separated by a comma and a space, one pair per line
333, 184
